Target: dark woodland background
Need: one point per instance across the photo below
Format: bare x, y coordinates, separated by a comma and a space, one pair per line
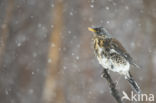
46, 52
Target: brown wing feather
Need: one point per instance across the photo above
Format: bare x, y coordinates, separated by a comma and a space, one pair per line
116, 45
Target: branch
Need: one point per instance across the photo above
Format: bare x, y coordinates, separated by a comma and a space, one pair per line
112, 86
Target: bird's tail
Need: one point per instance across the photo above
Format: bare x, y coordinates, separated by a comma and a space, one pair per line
133, 84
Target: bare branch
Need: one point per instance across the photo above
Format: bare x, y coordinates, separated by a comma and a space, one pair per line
112, 86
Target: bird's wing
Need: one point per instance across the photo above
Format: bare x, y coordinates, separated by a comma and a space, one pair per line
117, 46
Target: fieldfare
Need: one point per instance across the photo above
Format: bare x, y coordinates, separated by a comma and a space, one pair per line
112, 55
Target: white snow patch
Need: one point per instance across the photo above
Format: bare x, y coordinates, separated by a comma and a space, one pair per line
31, 91
114, 4
49, 60
132, 45
108, 22
34, 54
31, 16
52, 26
6, 92
20, 39
19, 44
127, 7
64, 67
107, 8
64, 49
73, 54
92, 6
39, 25
32, 73
77, 57
71, 14
52, 5
69, 32
53, 45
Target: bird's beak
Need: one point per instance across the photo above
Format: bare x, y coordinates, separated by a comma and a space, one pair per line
91, 29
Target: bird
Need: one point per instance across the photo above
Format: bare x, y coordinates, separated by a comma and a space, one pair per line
113, 56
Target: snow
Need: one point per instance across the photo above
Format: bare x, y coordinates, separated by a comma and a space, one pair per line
20, 40
31, 91
31, 16
52, 5
64, 67
69, 32
25, 42
127, 7
39, 25
132, 45
49, 60
18, 44
32, 73
53, 45
6, 92
108, 22
71, 13
34, 54
77, 57
52, 26
73, 54
92, 6
107, 8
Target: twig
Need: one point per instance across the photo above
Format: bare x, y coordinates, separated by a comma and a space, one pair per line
112, 86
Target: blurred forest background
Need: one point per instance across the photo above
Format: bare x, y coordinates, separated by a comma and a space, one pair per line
46, 51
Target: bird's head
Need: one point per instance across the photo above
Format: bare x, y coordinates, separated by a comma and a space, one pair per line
99, 32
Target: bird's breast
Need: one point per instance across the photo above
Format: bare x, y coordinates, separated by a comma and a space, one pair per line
119, 64
112, 60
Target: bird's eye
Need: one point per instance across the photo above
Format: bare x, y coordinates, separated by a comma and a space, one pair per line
98, 31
